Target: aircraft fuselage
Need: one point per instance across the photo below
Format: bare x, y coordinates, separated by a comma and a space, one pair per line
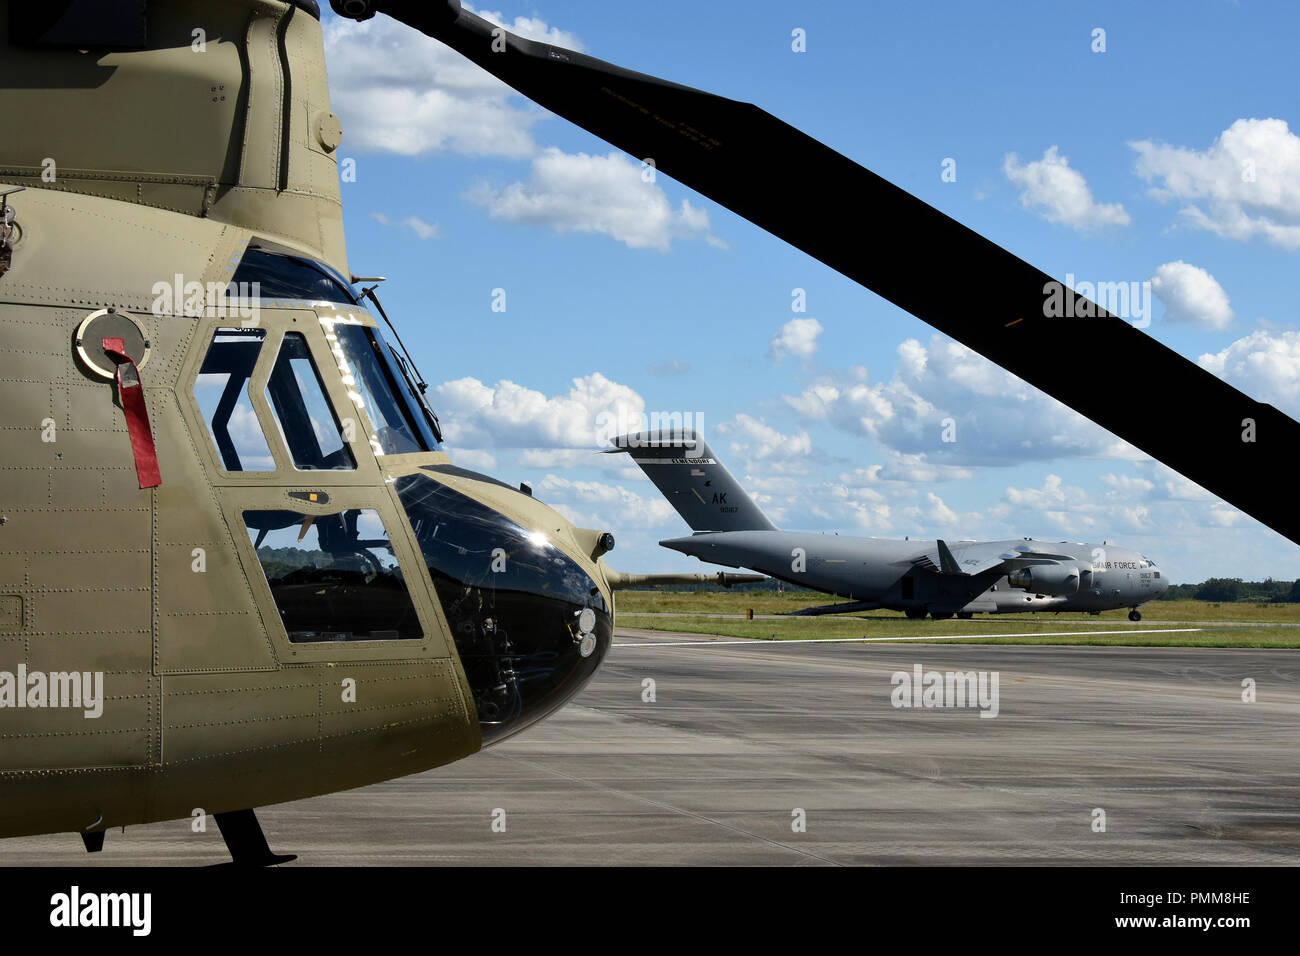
906, 575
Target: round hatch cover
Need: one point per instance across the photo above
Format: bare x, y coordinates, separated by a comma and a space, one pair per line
110, 324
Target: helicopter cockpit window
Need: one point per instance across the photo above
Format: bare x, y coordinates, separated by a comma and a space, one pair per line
307, 421
333, 577
383, 391
289, 277
222, 393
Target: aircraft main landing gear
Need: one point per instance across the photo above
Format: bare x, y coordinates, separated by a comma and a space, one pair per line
915, 613
1135, 615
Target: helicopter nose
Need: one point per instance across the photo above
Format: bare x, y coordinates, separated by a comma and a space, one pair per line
530, 625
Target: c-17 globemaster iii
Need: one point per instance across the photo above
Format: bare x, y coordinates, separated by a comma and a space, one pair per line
917, 577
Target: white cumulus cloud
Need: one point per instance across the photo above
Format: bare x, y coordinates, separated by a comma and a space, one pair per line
601, 504
1191, 294
1265, 365
956, 408
397, 90
940, 513
475, 459
425, 230
1061, 192
910, 469
576, 192
798, 337
1245, 184
761, 442
673, 367
509, 415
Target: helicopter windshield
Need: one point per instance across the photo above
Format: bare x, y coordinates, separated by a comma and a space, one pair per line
380, 387
378, 379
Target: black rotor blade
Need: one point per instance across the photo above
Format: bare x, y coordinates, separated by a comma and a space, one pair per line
904, 250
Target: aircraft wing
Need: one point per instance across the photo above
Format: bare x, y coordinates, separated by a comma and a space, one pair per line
851, 607
981, 556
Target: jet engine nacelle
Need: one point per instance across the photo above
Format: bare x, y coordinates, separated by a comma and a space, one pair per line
1055, 580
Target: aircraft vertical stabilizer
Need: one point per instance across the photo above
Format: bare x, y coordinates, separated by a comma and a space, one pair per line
684, 468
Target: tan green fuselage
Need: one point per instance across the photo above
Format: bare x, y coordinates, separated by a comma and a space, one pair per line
167, 162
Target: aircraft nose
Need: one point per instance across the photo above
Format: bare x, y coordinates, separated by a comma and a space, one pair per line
530, 625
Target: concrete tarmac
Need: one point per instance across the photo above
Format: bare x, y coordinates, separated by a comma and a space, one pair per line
740, 738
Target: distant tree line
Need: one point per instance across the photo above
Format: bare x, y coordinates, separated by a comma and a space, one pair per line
1235, 589
1223, 590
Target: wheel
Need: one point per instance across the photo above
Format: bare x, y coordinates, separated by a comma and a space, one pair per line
1135, 615
915, 612
940, 617
965, 615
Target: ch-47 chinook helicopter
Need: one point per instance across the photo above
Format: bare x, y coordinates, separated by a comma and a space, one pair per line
235, 566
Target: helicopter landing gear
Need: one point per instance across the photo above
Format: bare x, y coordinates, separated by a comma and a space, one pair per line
1135, 615
246, 841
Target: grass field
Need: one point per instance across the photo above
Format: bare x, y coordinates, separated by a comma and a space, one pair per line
723, 614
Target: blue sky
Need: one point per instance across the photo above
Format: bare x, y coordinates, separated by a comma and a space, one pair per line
1127, 165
